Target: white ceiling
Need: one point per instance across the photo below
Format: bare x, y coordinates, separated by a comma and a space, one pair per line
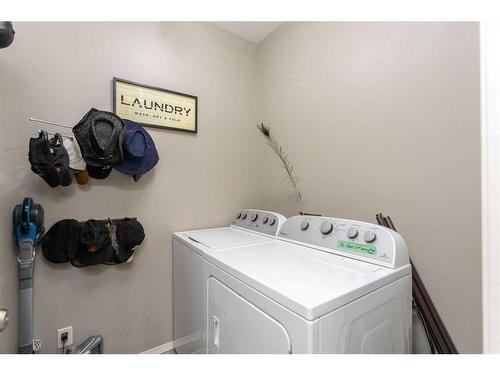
252, 31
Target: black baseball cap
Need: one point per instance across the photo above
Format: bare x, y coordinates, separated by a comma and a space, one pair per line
129, 235
50, 160
98, 172
60, 244
95, 244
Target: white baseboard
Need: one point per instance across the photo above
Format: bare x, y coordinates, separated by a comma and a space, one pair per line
172, 344
186, 340
160, 349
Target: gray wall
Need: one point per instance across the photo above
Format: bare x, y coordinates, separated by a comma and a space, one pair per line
386, 117
58, 71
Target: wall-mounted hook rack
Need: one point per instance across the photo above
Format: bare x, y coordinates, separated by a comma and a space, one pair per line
53, 134
115, 221
32, 119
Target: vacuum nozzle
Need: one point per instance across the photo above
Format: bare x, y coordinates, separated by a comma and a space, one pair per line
27, 221
6, 34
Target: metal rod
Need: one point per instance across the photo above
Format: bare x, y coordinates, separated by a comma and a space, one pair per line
114, 220
392, 226
50, 123
440, 337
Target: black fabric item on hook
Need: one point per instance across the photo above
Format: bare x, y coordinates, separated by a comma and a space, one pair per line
40, 158
61, 159
49, 159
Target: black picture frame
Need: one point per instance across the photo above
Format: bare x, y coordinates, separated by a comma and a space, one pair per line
195, 131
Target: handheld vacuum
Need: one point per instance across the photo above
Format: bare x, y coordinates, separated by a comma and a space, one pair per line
27, 220
6, 34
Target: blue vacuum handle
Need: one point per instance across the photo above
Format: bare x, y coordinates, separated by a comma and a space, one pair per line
25, 227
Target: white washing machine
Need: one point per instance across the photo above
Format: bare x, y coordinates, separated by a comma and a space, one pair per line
189, 248
324, 286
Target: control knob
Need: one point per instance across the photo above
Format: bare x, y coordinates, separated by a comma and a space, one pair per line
254, 216
326, 227
272, 221
304, 225
265, 219
352, 233
370, 236
243, 216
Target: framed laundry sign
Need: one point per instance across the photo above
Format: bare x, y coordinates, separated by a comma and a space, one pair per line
154, 106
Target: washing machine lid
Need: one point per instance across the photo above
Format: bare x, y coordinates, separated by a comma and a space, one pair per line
307, 281
222, 238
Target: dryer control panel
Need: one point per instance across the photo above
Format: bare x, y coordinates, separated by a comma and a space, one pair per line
264, 222
354, 239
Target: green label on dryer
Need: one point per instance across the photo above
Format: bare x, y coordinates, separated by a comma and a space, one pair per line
360, 248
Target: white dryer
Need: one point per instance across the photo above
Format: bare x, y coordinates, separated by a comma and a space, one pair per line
189, 248
324, 286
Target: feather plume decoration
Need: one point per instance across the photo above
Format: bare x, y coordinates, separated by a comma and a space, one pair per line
278, 150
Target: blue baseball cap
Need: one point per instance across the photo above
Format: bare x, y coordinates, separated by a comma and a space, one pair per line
139, 151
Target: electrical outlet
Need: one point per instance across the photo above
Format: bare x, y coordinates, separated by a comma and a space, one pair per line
64, 331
